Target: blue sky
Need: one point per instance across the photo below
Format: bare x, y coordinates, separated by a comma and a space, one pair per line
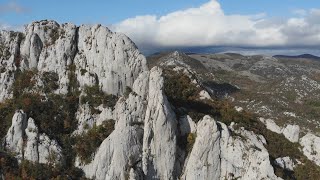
156, 24
113, 11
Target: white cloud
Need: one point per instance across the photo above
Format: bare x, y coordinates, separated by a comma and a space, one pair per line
300, 12
208, 25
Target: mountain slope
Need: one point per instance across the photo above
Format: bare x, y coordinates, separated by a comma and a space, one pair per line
81, 102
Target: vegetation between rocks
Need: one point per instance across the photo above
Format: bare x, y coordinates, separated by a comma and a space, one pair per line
11, 169
87, 143
94, 96
54, 115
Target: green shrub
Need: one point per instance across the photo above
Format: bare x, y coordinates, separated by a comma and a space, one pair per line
7, 110
178, 86
83, 71
28, 170
73, 82
23, 81
95, 97
54, 35
127, 92
191, 139
50, 80
87, 143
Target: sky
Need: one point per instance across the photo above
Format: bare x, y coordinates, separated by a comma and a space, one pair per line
163, 24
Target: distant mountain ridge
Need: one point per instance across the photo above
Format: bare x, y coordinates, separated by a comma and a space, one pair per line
304, 56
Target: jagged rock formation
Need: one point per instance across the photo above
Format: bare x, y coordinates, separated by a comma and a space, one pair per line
24, 139
160, 133
291, 132
99, 56
286, 163
109, 59
14, 137
9, 53
120, 153
311, 147
218, 155
151, 139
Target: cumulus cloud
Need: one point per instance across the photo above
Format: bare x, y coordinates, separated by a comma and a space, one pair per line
208, 25
12, 7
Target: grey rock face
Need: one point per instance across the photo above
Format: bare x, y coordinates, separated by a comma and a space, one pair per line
9, 59
160, 132
311, 147
218, 155
24, 139
108, 59
286, 163
94, 53
14, 137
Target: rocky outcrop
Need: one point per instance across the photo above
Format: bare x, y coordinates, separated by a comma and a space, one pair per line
285, 163
271, 125
39, 147
291, 132
50, 47
119, 156
108, 59
204, 160
311, 147
9, 59
218, 155
86, 119
94, 53
24, 139
14, 137
160, 132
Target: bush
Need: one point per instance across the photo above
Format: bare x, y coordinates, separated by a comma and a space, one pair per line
95, 97
87, 143
7, 110
54, 35
23, 82
127, 92
28, 170
178, 86
50, 81
73, 82
83, 71
191, 139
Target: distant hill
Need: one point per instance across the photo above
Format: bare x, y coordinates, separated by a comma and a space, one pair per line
304, 56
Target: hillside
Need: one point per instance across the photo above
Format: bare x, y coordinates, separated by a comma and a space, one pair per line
81, 102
